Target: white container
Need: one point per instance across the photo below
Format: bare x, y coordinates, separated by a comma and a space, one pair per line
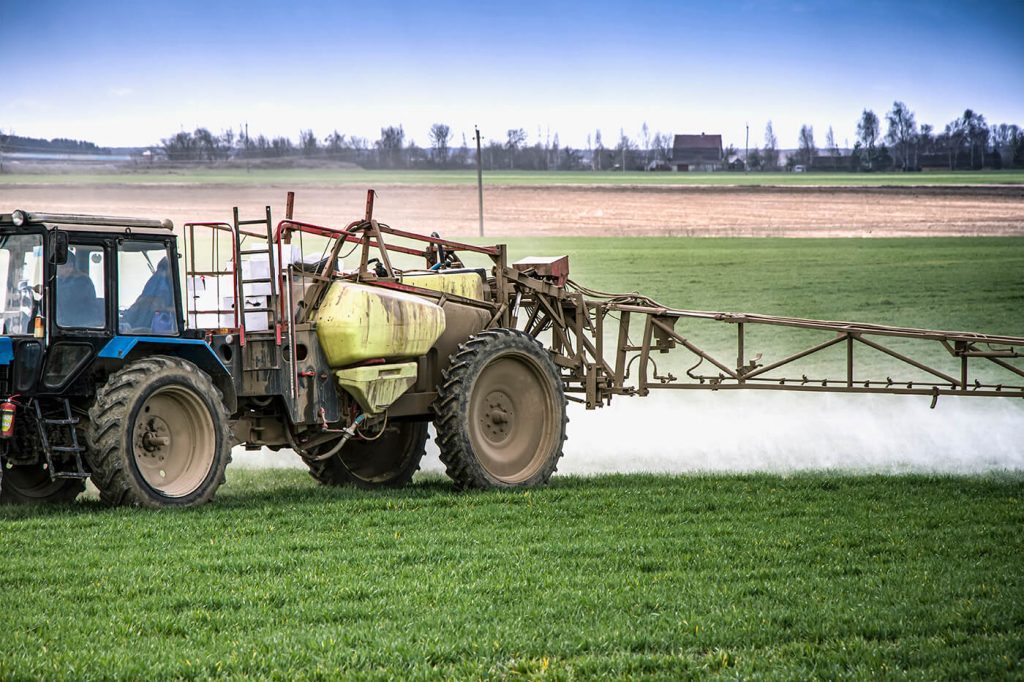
205, 300
256, 267
256, 317
256, 321
204, 321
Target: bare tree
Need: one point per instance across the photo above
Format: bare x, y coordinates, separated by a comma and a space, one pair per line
625, 151
389, 146
515, 139
262, 145
662, 143
902, 133
308, 143
1004, 141
180, 147
976, 133
281, 146
206, 145
833, 149
771, 148
867, 135
867, 129
334, 143
225, 143
925, 143
754, 160
806, 149
439, 134
645, 143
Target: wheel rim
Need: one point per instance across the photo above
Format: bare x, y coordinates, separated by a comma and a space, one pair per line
512, 424
173, 441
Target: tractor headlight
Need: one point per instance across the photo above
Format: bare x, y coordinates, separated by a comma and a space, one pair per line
18, 218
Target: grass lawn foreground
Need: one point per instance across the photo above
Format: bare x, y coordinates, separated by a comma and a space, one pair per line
803, 576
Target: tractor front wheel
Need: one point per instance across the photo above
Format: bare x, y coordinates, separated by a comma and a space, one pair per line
158, 435
500, 413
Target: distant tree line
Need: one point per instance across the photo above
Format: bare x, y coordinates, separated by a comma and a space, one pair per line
394, 150
967, 142
895, 143
58, 145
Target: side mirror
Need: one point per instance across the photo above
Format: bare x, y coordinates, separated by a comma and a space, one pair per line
58, 247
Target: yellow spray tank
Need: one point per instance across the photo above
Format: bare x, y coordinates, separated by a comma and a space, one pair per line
357, 322
465, 283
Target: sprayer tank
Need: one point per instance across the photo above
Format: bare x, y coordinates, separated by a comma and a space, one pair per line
357, 322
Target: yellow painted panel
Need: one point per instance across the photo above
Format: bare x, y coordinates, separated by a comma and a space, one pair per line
375, 387
357, 322
466, 284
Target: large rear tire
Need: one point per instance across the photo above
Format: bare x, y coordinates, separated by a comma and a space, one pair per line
31, 484
387, 462
158, 435
500, 413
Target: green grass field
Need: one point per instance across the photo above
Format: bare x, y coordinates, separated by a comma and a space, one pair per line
382, 177
821, 575
803, 577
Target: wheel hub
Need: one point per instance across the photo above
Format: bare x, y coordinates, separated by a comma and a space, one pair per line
498, 419
154, 438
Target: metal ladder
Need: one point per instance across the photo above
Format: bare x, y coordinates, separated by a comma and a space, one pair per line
43, 424
262, 352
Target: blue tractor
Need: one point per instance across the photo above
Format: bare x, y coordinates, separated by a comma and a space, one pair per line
100, 377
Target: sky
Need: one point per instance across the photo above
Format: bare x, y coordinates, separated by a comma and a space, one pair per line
128, 73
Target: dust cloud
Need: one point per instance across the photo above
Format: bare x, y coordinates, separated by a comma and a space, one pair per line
777, 433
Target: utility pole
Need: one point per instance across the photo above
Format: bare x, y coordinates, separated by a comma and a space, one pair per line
746, 151
246, 146
479, 179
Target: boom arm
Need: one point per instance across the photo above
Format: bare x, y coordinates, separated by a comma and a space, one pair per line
578, 318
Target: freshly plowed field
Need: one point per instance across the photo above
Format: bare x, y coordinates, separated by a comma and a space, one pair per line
571, 210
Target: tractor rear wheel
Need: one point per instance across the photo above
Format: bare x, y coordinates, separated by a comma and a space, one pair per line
158, 435
386, 462
500, 413
31, 484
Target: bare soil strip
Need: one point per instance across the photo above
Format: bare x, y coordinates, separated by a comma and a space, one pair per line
574, 210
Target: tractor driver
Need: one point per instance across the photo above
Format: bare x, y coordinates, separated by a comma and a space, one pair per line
76, 297
153, 309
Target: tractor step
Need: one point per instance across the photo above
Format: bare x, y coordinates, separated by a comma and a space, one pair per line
44, 424
80, 475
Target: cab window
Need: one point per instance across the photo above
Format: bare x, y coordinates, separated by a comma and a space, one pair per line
145, 289
81, 290
21, 279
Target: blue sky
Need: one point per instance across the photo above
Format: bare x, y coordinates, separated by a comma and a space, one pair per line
130, 73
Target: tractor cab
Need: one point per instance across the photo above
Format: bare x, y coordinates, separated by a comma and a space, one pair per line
71, 284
